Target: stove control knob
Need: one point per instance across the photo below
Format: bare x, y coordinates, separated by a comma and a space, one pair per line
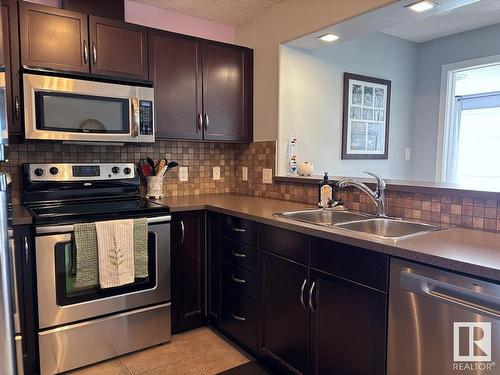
115, 170
53, 171
127, 170
39, 172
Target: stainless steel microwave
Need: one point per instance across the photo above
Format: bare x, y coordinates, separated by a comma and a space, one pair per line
75, 110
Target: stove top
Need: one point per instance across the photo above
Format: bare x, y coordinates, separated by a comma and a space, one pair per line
96, 211
71, 193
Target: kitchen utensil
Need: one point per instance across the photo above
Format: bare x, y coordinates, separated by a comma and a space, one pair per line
151, 164
159, 165
145, 168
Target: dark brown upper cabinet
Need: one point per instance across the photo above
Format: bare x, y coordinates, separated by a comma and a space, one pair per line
118, 48
53, 38
175, 70
203, 89
226, 92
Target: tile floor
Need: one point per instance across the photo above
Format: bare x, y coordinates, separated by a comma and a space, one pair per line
198, 352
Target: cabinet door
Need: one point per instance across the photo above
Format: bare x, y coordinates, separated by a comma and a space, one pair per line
53, 38
188, 270
285, 316
176, 74
227, 92
118, 48
214, 262
348, 327
10, 50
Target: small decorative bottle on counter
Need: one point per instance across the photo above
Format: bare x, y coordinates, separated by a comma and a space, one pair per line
325, 191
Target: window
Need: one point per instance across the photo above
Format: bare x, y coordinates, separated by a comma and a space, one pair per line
473, 129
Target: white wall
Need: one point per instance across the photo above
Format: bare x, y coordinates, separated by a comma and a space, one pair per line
311, 96
285, 21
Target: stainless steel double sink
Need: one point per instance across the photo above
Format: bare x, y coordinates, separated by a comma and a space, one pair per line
381, 227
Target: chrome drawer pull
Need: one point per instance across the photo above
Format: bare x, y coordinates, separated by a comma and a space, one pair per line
237, 317
311, 291
239, 230
238, 280
238, 255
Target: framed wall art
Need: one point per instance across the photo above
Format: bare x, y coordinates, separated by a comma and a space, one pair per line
366, 110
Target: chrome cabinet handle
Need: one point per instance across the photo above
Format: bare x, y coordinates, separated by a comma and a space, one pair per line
311, 291
94, 53
26, 250
239, 230
85, 52
182, 232
199, 125
237, 317
207, 121
238, 255
302, 294
238, 280
17, 108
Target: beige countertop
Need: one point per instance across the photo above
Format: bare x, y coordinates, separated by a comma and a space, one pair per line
20, 215
463, 250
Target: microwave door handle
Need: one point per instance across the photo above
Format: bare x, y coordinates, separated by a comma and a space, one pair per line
134, 107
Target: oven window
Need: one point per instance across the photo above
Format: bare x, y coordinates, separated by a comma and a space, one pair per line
67, 293
81, 113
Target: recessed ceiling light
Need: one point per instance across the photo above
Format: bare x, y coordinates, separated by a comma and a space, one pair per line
421, 6
328, 38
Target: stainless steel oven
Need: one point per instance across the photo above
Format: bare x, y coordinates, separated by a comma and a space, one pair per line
83, 326
75, 110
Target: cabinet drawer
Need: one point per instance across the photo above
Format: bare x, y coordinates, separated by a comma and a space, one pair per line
240, 230
240, 318
349, 262
292, 245
241, 255
241, 280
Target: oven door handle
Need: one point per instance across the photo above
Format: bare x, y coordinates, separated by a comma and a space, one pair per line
50, 229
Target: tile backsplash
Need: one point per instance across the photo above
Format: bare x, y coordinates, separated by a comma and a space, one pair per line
197, 156
456, 208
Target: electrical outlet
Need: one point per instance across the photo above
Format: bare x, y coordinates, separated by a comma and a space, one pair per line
244, 173
408, 153
216, 173
183, 173
267, 176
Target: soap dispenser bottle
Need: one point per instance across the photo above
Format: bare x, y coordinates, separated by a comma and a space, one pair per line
325, 191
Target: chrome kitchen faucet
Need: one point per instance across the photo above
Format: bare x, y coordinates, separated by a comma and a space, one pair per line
377, 196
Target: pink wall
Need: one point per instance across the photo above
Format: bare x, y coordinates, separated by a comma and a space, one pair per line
160, 18
164, 19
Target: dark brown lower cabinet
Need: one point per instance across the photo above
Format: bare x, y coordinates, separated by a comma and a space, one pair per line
348, 325
240, 318
285, 316
188, 270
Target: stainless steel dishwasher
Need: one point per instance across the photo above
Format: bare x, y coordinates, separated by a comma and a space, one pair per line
442, 323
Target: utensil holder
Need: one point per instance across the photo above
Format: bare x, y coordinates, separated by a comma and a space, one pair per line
154, 187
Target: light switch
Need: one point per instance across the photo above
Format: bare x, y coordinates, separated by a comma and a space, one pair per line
267, 176
408, 153
244, 173
216, 173
183, 173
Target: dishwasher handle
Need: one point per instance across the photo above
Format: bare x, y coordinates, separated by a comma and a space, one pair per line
454, 295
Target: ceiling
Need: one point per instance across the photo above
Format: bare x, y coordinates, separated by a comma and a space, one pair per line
478, 14
232, 12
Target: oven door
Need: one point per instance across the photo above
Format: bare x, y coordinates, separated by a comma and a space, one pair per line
68, 109
60, 302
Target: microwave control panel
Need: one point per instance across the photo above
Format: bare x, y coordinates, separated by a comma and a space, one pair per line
146, 117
